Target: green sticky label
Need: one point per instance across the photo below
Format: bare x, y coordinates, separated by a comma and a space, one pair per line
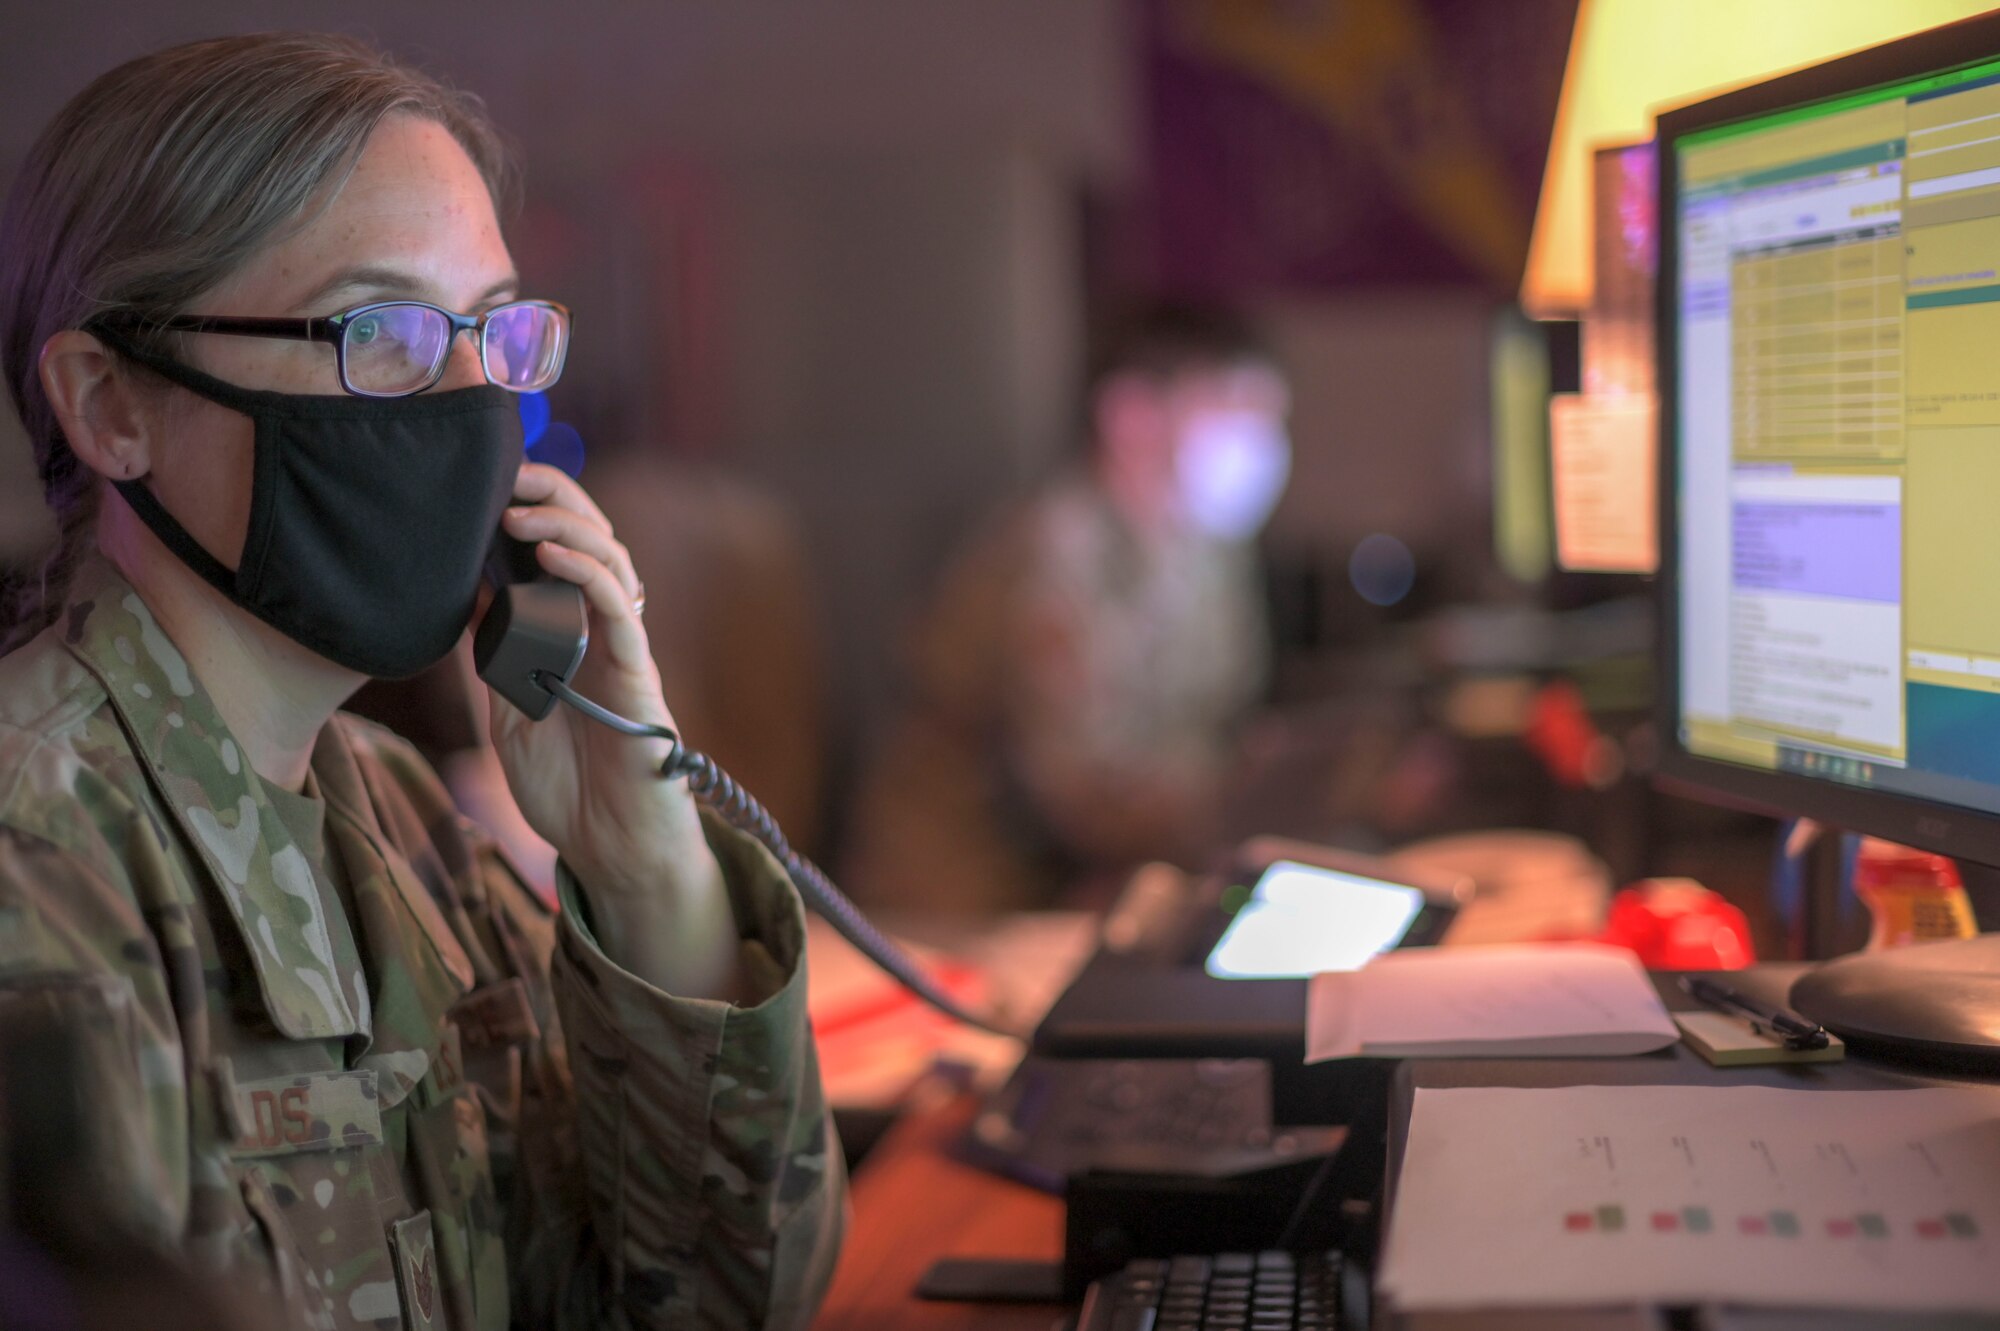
1962, 1225
1784, 1224
1610, 1219
1872, 1225
1696, 1218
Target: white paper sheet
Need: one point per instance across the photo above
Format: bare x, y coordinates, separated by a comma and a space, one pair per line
1547, 1001
1681, 1194
1601, 461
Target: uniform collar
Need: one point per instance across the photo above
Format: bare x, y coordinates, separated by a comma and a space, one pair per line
209, 789
417, 968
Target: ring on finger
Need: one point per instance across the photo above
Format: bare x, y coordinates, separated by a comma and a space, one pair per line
639, 603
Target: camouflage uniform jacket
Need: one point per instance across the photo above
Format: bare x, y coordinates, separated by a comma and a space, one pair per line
373, 1077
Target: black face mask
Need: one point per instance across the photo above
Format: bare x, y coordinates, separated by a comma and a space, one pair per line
370, 518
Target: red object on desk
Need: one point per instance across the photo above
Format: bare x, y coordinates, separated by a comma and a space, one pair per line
874, 1037
1561, 733
1673, 924
964, 983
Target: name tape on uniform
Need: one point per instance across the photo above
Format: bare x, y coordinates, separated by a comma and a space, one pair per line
321, 1111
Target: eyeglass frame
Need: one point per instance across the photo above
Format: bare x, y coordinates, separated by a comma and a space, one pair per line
332, 328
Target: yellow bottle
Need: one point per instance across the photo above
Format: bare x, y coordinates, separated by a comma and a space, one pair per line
1913, 895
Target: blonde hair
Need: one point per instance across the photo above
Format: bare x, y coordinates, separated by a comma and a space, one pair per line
157, 182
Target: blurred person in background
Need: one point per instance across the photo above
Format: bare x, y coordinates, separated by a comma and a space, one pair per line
350, 1065
1078, 679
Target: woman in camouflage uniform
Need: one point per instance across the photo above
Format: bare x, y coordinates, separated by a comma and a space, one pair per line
339, 1055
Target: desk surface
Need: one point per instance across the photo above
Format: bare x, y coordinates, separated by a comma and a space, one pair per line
913, 1204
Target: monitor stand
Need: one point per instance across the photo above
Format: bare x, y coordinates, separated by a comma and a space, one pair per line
1939, 1002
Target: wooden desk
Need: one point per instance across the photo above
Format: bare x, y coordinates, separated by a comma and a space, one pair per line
913, 1204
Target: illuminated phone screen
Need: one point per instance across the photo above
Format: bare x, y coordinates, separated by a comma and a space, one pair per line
1300, 921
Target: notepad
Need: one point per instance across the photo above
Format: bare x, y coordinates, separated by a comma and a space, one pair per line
1728, 1041
1550, 1001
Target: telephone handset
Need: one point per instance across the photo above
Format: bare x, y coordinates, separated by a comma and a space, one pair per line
535, 627
527, 647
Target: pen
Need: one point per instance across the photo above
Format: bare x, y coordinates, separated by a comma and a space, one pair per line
1797, 1032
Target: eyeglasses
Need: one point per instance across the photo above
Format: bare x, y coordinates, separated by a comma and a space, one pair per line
394, 348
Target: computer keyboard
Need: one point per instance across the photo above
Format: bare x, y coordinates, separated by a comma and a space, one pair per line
1237, 1291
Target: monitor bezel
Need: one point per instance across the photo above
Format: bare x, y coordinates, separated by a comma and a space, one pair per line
1948, 829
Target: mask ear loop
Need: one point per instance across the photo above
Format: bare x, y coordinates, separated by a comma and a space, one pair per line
175, 537
137, 494
249, 401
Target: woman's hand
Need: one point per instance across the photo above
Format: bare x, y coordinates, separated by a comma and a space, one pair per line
632, 838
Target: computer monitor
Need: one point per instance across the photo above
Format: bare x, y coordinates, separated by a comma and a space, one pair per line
1828, 349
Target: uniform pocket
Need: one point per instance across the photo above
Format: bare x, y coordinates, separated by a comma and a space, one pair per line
292, 1283
308, 1147
91, 1124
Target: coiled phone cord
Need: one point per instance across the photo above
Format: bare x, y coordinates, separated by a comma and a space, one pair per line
740, 809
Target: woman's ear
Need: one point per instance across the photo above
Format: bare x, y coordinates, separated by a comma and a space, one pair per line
101, 410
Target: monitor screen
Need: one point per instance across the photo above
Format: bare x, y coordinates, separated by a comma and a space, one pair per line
1832, 432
